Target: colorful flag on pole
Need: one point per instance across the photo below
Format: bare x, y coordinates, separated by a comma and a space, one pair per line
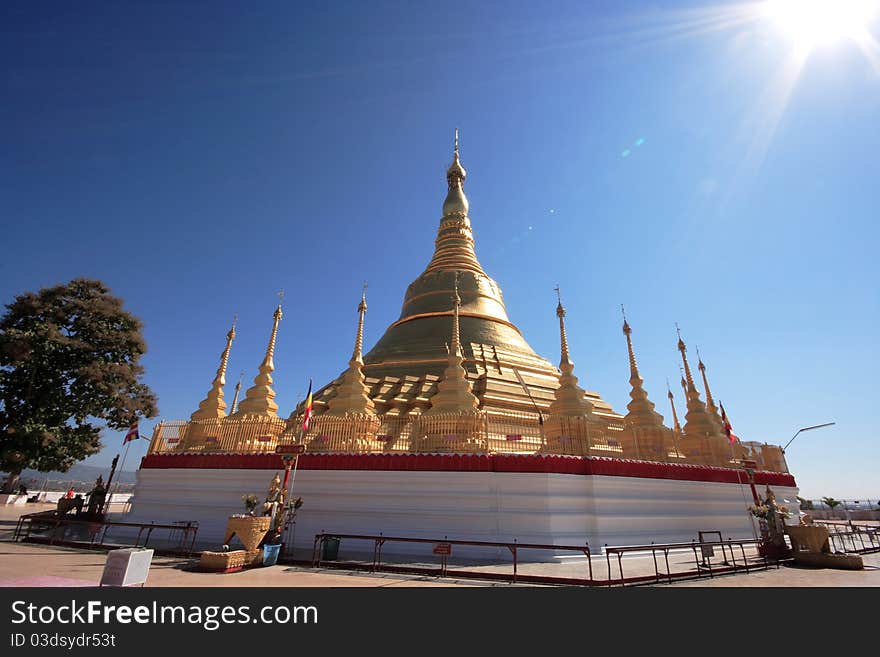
307, 413
727, 428
132, 433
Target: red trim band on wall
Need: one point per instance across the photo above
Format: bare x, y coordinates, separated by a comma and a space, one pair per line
549, 464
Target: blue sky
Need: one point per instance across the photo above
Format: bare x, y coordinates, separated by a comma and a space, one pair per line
197, 157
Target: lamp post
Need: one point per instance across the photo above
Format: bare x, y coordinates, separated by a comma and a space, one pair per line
818, 426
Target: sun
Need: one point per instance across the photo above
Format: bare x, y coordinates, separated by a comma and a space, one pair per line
813, 22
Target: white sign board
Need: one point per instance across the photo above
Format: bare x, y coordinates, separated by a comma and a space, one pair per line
126, 567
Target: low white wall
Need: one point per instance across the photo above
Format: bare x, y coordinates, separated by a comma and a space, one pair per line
488, 506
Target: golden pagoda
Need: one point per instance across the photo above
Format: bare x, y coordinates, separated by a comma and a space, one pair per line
703, 442
453, 374
645, 437
568, 426
404, 367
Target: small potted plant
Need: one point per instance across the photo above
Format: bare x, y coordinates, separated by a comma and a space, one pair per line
250, 503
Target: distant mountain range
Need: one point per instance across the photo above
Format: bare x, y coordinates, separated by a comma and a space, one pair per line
85, 474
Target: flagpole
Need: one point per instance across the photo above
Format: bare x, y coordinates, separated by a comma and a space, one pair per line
121, 466
288, 503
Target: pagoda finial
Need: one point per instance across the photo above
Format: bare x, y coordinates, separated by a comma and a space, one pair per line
454, 390
641, 409
454, 246
260, 398
456, 333
213, 406
352, 393
687, 368
456, 202
359, 339
570, 398
675, 426
699, 421
710, 403
235, 396
565, 359
627, 331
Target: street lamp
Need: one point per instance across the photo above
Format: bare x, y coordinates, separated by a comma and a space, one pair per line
818, 426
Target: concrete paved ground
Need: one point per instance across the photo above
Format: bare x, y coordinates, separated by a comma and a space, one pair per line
28, 564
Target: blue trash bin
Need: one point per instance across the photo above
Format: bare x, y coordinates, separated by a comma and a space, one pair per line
270, 554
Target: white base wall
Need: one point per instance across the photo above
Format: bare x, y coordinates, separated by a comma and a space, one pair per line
489, 506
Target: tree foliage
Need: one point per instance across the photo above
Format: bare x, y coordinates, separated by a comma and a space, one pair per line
830, 502
806, 505
68, 357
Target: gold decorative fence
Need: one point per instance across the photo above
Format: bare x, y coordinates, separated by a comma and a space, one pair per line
480, 432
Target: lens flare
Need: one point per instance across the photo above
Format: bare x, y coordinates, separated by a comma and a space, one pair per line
813, 22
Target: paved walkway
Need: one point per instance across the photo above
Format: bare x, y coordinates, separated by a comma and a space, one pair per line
28, 564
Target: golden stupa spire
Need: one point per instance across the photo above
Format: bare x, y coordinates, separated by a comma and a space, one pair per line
352, 395
698, 421
687, 368
213, 406
454, 390
260, 398
675, 426
641, 409
235, 396
710, 403
454, 246
570, 399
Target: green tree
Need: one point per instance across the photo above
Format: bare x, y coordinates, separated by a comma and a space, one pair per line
68, 357
830, 502
806, 505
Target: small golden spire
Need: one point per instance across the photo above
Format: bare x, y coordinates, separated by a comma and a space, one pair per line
698, 421
687, 368
569, 398
213, 406
357, 355
565, 359
260, 398
456, 306
675, 426
627, 331
237, 390
352, 393
454, 390
641, 409
710, 403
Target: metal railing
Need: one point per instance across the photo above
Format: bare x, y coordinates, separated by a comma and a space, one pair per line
736, 555
703, 553
443, 549
58, 529
852, 537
